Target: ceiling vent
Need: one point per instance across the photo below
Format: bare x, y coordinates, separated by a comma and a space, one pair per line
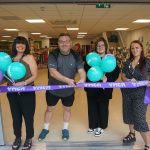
63, 22
10, 18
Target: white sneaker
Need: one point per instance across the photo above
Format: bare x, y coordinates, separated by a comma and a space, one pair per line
90, 131
99, 131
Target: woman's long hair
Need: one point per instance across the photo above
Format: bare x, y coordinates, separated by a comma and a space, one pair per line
20, 40
142, 60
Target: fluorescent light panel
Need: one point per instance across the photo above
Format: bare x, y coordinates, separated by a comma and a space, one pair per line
72, 28
43, 36
121, 29
79, 37
48, 37
142, 21
36, 33
11, 29
6, 36
82, 33
35, 20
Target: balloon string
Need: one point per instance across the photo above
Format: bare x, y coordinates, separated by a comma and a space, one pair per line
104, 75
9, 79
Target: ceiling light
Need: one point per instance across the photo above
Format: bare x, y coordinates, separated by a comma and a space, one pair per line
72, 28
11, 29
43, 36
82, 32
35, 20
6, 36
48, 37
142, 21
121, 29
79, 37
35, 33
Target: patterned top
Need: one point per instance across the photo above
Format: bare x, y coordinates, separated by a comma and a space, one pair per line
131, 72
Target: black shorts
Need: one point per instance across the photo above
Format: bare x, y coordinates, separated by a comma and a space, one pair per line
53, 99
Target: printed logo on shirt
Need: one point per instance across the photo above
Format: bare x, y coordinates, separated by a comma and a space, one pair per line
52, 65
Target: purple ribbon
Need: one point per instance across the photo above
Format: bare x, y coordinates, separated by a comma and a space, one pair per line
147, 96
4, 89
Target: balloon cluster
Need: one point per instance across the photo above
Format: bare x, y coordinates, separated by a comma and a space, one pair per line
14, 70
99, 66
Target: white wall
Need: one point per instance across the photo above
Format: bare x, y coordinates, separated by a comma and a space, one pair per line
143, 33
45, 43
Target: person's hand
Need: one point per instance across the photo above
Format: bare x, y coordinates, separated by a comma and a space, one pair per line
104, 79
70, 82
133, 80
148, 84
80, 81
22, 83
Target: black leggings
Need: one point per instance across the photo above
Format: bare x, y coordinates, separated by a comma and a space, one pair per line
98, 112
22, 104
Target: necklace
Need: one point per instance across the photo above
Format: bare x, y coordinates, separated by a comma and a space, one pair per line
134, 63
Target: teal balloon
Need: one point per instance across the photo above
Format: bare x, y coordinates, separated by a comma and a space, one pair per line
108, 63
16, 70
93, 59
5, 61
95, 74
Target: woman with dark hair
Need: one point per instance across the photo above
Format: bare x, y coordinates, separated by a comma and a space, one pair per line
23, 103
98, 98
136, 68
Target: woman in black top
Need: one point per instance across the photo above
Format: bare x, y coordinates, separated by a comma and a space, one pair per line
98, 98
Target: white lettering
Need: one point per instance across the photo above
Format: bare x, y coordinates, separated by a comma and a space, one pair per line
138, 84
118, 85
16, 89
93, 85
39, 88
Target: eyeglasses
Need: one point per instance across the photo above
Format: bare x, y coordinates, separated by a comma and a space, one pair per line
64, 42
99, 46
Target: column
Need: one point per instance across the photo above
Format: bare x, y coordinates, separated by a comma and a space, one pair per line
2, 140
106, 38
